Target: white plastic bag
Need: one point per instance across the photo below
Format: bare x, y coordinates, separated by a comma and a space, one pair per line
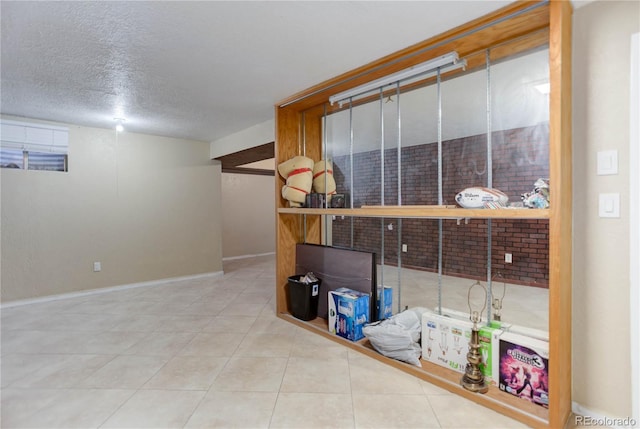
397, 337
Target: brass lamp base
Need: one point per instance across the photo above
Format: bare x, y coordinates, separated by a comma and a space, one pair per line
474, 385
473, 379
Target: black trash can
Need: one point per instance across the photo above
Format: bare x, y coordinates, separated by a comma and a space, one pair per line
303, 298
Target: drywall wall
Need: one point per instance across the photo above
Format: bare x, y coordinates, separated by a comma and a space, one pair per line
256, 135
601, 354
634, 219
248, 214
146, 207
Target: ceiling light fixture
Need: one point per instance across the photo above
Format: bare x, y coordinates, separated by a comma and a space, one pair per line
446, 62
119, 126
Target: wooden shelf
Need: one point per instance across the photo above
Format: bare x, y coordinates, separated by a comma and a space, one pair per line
531, 414
510, 31
421, 212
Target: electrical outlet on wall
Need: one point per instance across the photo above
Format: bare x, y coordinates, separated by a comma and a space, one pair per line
97, 266
508, 258
404, 248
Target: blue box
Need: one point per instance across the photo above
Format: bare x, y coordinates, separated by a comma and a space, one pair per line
348, 313
387, 311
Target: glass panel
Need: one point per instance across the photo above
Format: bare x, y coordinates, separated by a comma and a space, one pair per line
337, 141
464, 261
388, 270
419, 263
384, 147
520, 123
367, 169
390, 105
337, 144
520, 153
522, 285
390, 228
11, 158
419, 146
465, 164
47, 161
464, 133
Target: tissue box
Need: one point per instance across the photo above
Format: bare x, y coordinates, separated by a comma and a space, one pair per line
348, 313
387, 311
524, 368
445, 341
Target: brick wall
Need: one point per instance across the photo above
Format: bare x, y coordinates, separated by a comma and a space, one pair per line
520, 157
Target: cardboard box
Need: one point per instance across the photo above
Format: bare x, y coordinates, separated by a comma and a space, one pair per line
524, 368
505, 326
489, 340
445, 341
348, 313
387, 311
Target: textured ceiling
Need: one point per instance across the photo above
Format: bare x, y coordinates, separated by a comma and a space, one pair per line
198, 70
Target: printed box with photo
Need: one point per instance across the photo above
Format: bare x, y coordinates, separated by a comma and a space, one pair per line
524, 368
348, 313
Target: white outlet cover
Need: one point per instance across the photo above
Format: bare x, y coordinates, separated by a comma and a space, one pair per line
607, 162
609, 205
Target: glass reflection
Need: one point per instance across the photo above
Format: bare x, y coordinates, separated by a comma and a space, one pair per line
494, 132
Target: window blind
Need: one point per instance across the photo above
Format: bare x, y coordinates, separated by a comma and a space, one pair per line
34, 137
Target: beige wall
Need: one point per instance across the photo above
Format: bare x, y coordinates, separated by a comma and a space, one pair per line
147, 208
601, 334
248, 215
256, 135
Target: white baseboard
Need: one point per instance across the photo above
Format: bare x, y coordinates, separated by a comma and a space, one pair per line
98, 291
231, 258
594, 418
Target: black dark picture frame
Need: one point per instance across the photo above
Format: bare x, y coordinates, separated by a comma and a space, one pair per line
339, 267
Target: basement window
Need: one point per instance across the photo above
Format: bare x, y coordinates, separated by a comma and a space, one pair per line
11, 158
32, 146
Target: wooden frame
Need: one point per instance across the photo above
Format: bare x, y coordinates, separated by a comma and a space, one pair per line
232, 162
514, 29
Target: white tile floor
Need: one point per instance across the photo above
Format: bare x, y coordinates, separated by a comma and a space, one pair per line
206, 353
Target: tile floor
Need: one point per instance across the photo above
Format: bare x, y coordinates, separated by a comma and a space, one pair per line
204, 353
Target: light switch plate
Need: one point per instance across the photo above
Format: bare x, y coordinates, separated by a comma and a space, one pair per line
607, 162
609, 205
